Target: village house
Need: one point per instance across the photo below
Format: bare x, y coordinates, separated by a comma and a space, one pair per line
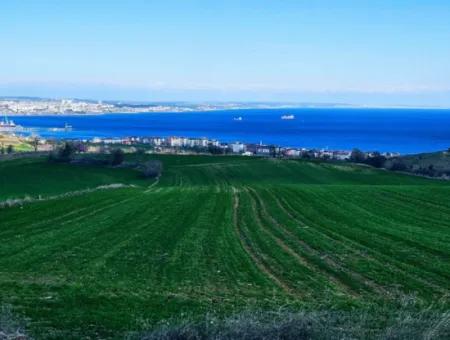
292, 153
342, 155
237, 147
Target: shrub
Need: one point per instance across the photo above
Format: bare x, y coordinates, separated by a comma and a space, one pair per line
63, 154
117, 157
215, 150
152, 169
376, 160
9, 149
357, 156
396, 165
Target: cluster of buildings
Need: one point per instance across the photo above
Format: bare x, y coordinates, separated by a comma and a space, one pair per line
171, 142
39, 106
175, 144
72, 106
180, 144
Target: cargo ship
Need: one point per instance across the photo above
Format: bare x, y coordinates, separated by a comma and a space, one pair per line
7, 125
287, 117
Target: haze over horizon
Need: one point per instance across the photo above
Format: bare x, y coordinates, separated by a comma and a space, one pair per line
355, 52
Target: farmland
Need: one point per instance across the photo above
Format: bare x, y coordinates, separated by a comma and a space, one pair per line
215, 235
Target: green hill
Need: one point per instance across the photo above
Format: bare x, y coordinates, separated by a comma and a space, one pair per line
216, 235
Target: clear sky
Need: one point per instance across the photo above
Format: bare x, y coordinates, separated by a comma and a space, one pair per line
366, 52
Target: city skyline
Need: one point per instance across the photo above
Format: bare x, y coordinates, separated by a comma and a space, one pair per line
348, 52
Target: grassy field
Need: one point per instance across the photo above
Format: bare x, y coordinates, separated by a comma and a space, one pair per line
34, 177
216, 235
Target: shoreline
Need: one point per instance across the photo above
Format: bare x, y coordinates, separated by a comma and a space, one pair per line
89, 113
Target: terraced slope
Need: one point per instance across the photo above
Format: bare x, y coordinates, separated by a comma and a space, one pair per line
218, 235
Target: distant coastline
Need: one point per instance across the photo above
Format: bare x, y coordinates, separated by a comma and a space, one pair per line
28, 106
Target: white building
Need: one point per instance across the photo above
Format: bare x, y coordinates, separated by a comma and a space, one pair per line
237, 147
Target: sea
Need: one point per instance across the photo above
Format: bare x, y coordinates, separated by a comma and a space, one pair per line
405, 131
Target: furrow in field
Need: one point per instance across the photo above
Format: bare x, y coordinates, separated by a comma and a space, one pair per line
123, 239
401, 204
55, 228
396, 234
403, 209
405, 227
24, 225
20, 215
346, 280
382, 246
361, 248
302, 261
152, 186
252, 251
328, 255
440, 194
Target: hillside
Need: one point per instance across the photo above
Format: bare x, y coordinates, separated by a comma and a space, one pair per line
436, 164
216, 235
18, 143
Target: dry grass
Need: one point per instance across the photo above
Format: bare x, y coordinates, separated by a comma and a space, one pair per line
286, 325
11, 327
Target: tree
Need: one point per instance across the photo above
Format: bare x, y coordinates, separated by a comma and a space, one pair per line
377, 160
152, 169
357, 156
215, 150
35, 143
64, 154
118, 157
396, 164
9, 149
67, 151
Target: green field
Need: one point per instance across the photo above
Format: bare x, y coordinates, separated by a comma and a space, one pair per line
215, 235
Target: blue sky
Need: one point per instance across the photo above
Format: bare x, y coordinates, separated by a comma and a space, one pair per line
363, 52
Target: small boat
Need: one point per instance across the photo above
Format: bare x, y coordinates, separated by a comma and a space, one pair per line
287, 117
237, 119
67, 127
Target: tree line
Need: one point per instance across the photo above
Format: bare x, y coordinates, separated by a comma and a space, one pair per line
116, 158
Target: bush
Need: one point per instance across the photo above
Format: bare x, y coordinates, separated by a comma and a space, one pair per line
376, 160
63, 154
215, 150
357, 156
117, 157
152, 169
9, 149
396, 165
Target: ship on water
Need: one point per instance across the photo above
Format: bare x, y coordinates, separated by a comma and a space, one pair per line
288, 117
8, 125
67, 127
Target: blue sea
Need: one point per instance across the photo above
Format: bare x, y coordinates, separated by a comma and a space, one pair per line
400, 130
